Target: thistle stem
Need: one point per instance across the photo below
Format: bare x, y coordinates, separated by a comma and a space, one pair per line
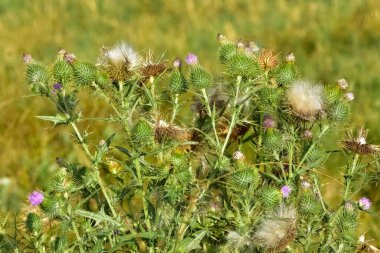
175, 107
350, 172
233, 118
79, 239
145, 206
212, 116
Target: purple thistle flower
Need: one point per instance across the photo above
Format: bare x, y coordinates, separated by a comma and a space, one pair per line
36, 198
177, 63
268, 122
27, 58
286, 190
365, 203
56, 87
191, 59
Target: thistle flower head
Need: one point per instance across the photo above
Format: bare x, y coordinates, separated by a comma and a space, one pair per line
349, 96
220, 38
122, 54
69, 58
358, 144
285, 191
269, 122
152, 67
364, 203
305, 99
177, 63
238, 155
27, 58
164, 131
191, 59
342, 83
290, 58
36, 198
267, 59
348, 206
277, 230
307, 134
305, 184
57, 87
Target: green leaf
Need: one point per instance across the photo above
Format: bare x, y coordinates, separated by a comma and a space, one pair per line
57, 120
98, 217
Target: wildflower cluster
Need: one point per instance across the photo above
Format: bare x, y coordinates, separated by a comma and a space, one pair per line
224, 163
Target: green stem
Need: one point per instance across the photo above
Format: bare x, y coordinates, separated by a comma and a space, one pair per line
350, 173
233, 118
319, 192
145, 206
79, 239
290, 163
187, 216
211, 115
311, 148
175, 107
106, 98
104, 191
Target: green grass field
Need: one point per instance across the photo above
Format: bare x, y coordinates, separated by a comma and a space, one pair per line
330, 39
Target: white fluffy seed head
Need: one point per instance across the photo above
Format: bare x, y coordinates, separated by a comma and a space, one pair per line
121, 54
278, 229
305, 99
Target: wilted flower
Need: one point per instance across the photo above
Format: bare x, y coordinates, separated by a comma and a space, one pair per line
191, 59
278, 229
349, 96
35, 198
152, 67
164, 131
343, 84
286, 190
267, 59
238, 155
358, 144
305, 99
365, 203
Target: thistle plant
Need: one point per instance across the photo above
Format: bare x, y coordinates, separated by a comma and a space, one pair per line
198, 162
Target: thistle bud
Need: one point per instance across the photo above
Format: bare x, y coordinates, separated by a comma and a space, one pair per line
177, 82
226, 51
269, 122
51, 206
62, 71
242, 65
270, 197
142, 132
33, 222
200, 79
84, 73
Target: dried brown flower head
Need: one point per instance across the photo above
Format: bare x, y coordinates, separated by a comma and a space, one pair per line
358, 144
267, 59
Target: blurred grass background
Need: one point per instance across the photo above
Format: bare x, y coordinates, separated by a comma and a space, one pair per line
330, 39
